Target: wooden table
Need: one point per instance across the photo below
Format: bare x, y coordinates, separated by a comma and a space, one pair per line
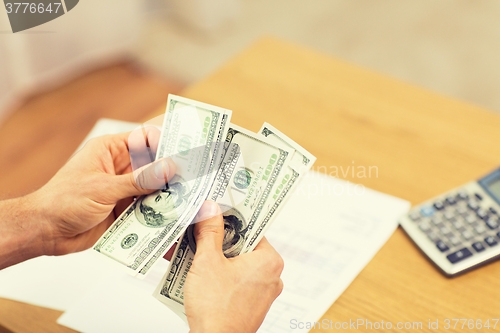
423, 144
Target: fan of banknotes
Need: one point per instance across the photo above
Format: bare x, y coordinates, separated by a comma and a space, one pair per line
250, 175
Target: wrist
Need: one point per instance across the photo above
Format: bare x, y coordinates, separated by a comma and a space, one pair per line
25, 230
37, 205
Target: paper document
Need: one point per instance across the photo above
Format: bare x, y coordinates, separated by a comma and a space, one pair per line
327, 233
53, 282
124, 304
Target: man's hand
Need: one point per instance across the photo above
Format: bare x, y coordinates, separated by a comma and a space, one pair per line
229, 295
82, 200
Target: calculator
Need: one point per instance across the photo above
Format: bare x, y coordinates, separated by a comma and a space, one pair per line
459, 230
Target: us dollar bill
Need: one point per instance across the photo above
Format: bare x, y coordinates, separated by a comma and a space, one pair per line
191, 134
300, 163
217, 148
250, 168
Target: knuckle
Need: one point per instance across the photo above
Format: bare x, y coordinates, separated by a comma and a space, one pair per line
275, 264
280, 263
207, 230
279, 288
139, 181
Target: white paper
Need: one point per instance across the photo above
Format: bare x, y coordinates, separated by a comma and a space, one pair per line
327, 233
53, 282
124, 304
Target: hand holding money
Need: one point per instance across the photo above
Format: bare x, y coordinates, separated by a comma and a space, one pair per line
249, 175
90, 191
76, 206
220, 293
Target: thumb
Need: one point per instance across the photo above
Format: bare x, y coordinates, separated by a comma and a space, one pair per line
209, 228
145, 180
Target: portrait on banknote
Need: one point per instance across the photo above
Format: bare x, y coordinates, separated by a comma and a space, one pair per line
161, 208
235, 228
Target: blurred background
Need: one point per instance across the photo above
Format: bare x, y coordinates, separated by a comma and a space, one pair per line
120, 59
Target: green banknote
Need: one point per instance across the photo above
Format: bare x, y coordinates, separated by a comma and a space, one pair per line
191, 136
244, 183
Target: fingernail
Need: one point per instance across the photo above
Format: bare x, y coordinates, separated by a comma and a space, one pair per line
208, 210
161, 169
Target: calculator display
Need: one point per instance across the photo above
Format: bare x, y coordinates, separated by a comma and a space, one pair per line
491, 184
494, 188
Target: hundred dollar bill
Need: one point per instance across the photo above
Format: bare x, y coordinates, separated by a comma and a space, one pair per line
144, 231
300, 163
217, 147
249, 170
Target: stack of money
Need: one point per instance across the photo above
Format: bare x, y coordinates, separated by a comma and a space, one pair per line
249, 175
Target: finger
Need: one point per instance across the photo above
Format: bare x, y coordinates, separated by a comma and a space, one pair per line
144, 180
142, 144
141, 137
209, 228
153, 135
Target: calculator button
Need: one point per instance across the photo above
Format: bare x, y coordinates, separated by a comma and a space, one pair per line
436, 219
493, 211
459, 255
457, 224
478, 196
478, 246
467, 235
474, 206
438, 205
451, 201
490, 241
480, 229
462, 195
454, 240
470, 219
461, 210
481, 213
448, 215
433, 236
425, 227
414, 216
427, 211
492, 224
442, 246
446, 231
